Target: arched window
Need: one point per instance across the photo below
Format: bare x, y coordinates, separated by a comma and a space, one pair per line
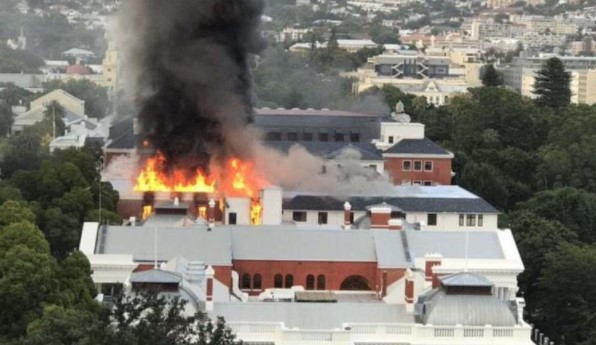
256, 282
278, 281
321, 282
289, 281
355, 283
310, 282
246, 281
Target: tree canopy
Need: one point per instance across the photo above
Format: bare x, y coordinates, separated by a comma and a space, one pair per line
552, 84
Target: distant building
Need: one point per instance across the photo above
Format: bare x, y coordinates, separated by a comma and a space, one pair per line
520, 75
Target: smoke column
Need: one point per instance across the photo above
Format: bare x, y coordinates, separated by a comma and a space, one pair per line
187, 62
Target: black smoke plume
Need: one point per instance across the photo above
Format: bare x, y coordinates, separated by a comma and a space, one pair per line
187, 63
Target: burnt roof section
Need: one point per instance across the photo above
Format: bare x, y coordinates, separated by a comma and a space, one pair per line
330, 150
309, 112
407, 204
122, 135
417, 146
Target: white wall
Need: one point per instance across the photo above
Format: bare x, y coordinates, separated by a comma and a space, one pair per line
401, 131
312, 217
450, 221
241, 206
271, 200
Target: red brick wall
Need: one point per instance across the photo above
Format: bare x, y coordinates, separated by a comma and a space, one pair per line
335, 272
393, 275
440, 174
379, 220
223, 274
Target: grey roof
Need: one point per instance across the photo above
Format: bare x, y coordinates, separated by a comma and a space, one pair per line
192, 243
406, 204
390, 249
156, 276
465, 279
308, 112
320, 316
452, 244
285, 244
417, 146
329, 150
467, 310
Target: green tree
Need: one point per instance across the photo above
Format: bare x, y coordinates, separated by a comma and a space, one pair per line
574, 208
62, 326
13, 95
552, 84
75, 284
15, 212
27, 276
61, 230
491, 76
6, 120
567, 302
52, 122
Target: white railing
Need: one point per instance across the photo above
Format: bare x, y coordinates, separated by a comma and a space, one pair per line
377, 332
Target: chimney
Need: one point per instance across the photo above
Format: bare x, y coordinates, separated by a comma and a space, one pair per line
395, 224
209, 273
347, 216
176, 201
384, 291
409, 291
431, 260
211, 213
380, 216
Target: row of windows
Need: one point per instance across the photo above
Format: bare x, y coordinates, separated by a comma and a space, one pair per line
322, 217
255, 282
471, 220
417, 182
340, 137
417, 166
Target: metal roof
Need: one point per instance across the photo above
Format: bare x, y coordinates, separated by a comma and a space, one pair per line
390, 249
192, 243
309, 112
406, 204
311, 316
291, 243
466, 310
452, 244
465, 279
156, 276
329, 150
417, 146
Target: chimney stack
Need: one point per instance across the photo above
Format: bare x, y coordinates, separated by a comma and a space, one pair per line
211, 213
409, 291
209, 274
380, 216
347, 216
432, 259
395, 224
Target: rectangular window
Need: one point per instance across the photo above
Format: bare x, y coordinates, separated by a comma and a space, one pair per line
351, 217
431, 219
354, 137
307, 136
417, 183
471, 220
461, 220
322, 217
292, 136
299, 216
417, 165
391, 139
480, 220
407, 165
428, 165
338, 137
232, 218
324, 137
428, 183
273, 136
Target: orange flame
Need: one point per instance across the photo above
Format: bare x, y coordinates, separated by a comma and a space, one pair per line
255, 212
236, 178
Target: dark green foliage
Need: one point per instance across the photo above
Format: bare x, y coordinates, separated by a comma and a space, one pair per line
491, 76
13, 95
18, 61
552, 84
6, 119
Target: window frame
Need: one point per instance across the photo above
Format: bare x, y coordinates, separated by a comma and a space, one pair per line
462, 219
409, 164
414, 166
288, 281
480, 220
431, 165
296, 214
325, 216
246, 282
257, 282
278, 281
428, 219
321, 282
471, 220
310, 282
